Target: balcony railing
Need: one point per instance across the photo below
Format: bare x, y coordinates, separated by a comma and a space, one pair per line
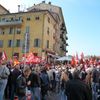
10, 22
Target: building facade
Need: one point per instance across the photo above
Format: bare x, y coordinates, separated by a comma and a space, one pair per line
61, 30
39, 31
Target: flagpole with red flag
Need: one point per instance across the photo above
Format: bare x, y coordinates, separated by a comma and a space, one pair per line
82, 58
4, 56
73, 61
76, 58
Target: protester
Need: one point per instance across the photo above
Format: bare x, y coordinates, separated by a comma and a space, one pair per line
44, 82
76, 89
21, 83
4, 73
96, 83
34, 79
14, 73
37, 82
64, 79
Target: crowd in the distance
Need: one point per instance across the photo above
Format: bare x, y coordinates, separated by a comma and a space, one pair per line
71, 83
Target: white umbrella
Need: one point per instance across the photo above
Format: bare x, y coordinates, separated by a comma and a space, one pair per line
64, 58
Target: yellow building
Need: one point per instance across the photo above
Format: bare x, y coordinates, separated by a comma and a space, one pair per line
26, 32
34, 31
61, 30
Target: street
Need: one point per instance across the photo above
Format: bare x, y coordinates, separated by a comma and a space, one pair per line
53, 96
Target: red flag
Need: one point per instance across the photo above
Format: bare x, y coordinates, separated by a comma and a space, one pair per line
73, 61
76, 59
4, 56
30, 57
82, 58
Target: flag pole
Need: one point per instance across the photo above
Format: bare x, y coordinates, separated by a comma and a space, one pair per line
25, 49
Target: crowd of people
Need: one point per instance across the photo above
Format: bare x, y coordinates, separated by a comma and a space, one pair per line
72, 83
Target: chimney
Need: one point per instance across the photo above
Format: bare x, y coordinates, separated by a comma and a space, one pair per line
18, 8
49, 3
43, 1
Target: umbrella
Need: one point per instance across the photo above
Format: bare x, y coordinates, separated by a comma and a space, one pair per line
64, 58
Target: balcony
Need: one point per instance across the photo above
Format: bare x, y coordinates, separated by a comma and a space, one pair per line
67, 44
66, 38
61, 36
66, 51
10, 22
63, 47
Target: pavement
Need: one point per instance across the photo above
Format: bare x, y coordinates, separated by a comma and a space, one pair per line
53, 96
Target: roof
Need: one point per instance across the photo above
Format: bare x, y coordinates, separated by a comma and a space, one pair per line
43, 4
31, 12
4, 8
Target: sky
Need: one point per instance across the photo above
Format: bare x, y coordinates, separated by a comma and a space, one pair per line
82, 19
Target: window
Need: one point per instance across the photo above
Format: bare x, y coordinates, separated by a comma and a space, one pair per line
1, 43
48, 31
28, 18
36, 43
12, 18
47, 43
48, 20
10, 43
37, 18
3, 19
10, 30
2, 31
18, 30
18, 42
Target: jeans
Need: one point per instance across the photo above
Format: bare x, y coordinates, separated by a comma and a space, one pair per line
94, 91
22, 98
3, 83
62, 95
36, 93
13, 89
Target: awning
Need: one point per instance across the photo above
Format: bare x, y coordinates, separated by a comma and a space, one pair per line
54, 56
64, 58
